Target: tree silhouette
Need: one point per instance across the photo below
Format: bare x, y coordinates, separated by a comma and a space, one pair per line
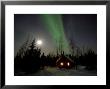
88, 59
29, 58
30, 62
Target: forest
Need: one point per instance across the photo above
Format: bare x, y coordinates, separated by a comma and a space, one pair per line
30, 58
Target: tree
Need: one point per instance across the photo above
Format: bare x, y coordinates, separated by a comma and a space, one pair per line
30, 61
19, 57
89, 59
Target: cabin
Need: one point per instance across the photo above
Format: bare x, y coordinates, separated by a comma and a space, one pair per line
64, 62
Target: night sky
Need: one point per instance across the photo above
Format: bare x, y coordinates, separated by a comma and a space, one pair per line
80, 28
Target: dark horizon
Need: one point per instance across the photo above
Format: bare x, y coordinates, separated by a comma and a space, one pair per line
80, 28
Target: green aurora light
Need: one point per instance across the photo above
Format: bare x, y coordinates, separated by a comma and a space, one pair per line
54, 24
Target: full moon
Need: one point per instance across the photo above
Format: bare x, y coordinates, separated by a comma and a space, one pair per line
39, 42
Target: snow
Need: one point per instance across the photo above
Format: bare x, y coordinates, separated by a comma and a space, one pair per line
53, 71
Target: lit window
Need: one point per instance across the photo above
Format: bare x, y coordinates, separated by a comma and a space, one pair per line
68, 63
61, 63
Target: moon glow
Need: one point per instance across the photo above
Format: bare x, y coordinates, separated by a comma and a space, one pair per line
39, 42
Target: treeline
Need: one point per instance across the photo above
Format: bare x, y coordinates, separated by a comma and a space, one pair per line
30, 59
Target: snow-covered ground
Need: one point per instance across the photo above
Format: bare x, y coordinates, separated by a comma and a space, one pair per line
52, 71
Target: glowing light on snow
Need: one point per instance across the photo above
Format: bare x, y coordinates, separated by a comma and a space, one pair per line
68, 63
61, 63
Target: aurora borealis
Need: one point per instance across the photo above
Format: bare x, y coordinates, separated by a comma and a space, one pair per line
55, 29
54, 25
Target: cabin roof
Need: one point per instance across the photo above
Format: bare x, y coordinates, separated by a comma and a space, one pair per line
63, 58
